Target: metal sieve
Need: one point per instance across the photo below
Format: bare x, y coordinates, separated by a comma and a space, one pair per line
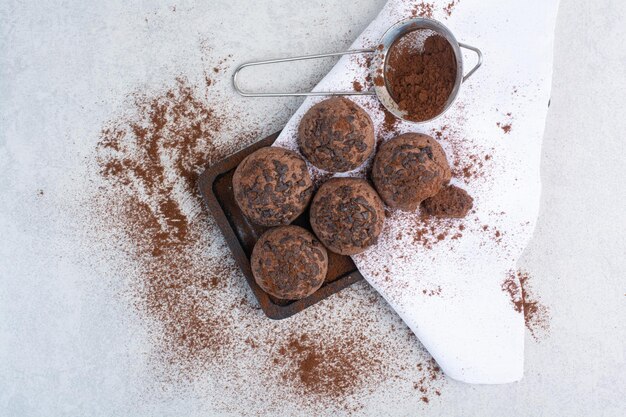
378, 66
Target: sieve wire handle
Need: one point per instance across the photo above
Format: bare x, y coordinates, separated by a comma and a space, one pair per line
478, 63
299, 58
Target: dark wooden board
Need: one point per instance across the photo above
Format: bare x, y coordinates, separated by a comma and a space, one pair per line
215, 185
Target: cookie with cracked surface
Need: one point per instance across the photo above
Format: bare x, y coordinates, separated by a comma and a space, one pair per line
336, 135
347, 215
289, 263
409, 169
272, 186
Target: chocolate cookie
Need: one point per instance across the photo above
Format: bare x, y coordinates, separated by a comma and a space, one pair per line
347, 215
272, 186
288, 262
336, 135
450, 201
409, 169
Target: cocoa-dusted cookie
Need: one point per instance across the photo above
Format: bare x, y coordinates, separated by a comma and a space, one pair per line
288, 262
336, 135
450, 201
347, 215
409, 169
272, 186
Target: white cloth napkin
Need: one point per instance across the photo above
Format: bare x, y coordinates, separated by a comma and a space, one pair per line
446, 284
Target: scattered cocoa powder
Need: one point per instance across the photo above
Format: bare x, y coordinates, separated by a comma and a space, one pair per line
335, 368
431, 374
497, 236
451, 201
365, 62
428, 9
432, 292
327, 369
536, 314
430, 231
148, 158
423, 9
357, 86
421, 74
450, 7
391, 122
252, 343
192, 299
508, 125
506, 128
469, 167
221, 66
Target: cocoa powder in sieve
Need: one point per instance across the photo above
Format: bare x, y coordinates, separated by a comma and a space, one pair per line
421, 80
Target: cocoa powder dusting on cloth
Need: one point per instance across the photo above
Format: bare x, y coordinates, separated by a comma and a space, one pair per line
389, 127
468, 164
430, 9
365, 62
423, 9
506, 127
429, 231
390, 122
524, 300
449, 8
